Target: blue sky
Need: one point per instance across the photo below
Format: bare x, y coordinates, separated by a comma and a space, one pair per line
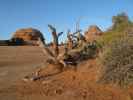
63, 14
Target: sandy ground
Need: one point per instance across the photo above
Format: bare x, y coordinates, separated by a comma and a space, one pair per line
80, 84
15, 63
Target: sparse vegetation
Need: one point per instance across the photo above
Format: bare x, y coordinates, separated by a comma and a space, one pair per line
117, 60
121, 25
117, 55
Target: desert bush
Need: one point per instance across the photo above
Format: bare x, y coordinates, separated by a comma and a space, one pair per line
85, 51
121, 25
90, 50
117, 62
120, 22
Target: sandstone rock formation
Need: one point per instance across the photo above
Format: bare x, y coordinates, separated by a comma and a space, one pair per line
28, 34
93, 33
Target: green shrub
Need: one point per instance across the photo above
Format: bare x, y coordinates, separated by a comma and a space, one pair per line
121, 24
117, 62
81, 53
90, 50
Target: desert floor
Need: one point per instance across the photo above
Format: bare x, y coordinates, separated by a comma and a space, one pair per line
81, 84
15, 63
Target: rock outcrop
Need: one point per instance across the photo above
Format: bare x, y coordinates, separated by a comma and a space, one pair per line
93, 33
28, 35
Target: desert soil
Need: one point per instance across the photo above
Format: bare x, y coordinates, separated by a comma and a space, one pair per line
80, 84
15, 63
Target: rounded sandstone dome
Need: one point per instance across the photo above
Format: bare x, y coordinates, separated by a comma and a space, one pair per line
28, 34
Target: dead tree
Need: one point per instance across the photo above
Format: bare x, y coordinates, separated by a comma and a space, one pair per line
55, 40
70, 40
45, 49
55, 55
52, 55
